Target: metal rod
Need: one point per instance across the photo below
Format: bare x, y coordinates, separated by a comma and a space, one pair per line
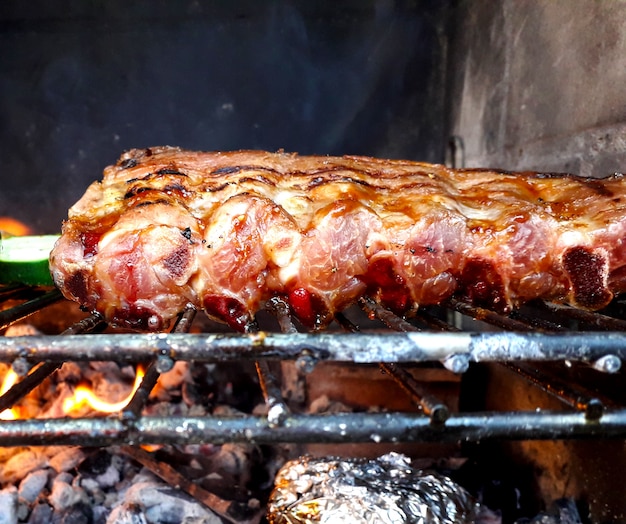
170, 475
281, 310
455, 156
488, 316
161, 364
17, 291
27, 384
346, 323
533, 321
432, 406
587, 318
183, 324
277, 410
92, 323
391, 320
136, 404
334, 428
395, 427
350, 347
455, 362
569, 394
9, 289
12, 315
434, 323
293, 383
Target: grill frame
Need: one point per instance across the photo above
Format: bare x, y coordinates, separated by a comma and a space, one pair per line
588, 416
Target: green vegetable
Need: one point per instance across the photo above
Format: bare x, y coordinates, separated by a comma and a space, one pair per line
25, 259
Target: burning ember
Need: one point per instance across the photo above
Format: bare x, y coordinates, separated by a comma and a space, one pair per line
14, 227
84, 394
10, 378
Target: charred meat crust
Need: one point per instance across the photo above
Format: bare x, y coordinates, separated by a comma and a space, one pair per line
587, 271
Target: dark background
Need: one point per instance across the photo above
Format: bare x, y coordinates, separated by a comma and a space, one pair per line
82, 81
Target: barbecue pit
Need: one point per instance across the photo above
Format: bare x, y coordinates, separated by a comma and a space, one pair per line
537, 85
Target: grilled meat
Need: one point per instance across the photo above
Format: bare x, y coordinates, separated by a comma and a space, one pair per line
227, 231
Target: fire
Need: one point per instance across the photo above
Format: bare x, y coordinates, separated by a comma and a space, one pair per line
9, 379
14, 227
85, 395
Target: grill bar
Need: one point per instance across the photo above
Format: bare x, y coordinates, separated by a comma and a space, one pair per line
281, 310
21, 311
569, 394
432, 406
15, 291
335, 428
138, 401
384, 315
155, 368
536, 322
277, 410
488, 316
589, 319
347, 347
27, 384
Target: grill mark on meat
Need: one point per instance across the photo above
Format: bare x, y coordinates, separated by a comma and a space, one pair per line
258, 178
178, 261
231, 170
175, 187
169, 171
134, 191
128, 163
77, 285
144, 196
216, 189
587, 271
332, 179
161, 174
144, 203
482, 284
598, 187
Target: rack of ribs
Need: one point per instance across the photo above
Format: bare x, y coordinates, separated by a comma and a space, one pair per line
227, 231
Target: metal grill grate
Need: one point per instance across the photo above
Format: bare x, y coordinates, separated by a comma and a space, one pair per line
543, 333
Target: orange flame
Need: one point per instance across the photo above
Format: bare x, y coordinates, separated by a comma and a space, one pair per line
14, 227
9, 379
84, 395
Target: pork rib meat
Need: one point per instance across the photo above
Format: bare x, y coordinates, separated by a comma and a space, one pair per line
227, 231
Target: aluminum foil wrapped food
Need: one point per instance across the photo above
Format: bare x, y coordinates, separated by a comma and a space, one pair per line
386, 490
